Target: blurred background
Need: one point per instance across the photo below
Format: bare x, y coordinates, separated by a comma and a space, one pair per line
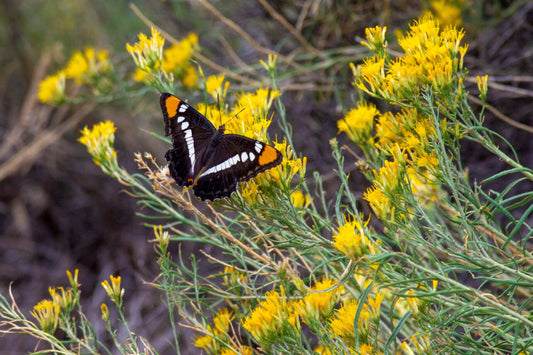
59, 212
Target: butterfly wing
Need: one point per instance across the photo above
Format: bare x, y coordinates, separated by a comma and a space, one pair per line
236, 159
190, 132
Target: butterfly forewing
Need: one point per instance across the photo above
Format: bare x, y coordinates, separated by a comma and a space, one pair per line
214, 161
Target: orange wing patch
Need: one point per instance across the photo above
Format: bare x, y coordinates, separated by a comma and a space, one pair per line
171, 105
268, 155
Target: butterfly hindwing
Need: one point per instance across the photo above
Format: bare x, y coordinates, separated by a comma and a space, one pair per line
215, 162
237, 159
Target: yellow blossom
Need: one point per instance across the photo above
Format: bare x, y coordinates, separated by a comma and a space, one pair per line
319, 302
352, 240
482, 86
429, 59
73, 279
52, 89
290, 165
99, 142
76, 66
47, 314
267, 320
243, 350
105, 312
299, 199
270, 64
147, 53
177, 56
162, 237
216, 332
113, 290
375, 38
65, 299
380, 203
448, 12
359, 122
190, 78
89, 67
342, 323
322, 350
374, 306
176, 60
233, 276
217, 87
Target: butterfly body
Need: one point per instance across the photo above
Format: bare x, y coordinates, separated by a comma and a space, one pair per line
206, 158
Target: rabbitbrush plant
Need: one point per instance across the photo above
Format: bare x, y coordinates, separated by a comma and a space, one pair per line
304, 272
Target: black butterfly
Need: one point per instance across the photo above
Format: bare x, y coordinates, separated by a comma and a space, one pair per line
206, 157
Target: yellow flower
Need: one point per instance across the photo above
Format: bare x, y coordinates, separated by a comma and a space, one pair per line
88, 67
177, 56
242, 350
299, 199
65, 299
252, 110
375, 38
267, 320
147, 53
47, 314
99, 142
73, 279
448, 12
372, 72
216, 333
342, 323
105, 312
290, 165
359, 122
352, 240
374, 306
162, 237
482, 86
190, 78
322, 350
319, 302
52, 89
175, 62
429, 59
76, 66
270, 64
420, 343
113, 290
216, 87
380, 203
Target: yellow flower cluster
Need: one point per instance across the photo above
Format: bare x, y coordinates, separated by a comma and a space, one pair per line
99, 142
150, 58
147, 53
48, 312
401, 177
352, 240
273, 316
333, 311
359, 123
113, 289
448, 12
319, 302
89, 67
402, 144
216, 333
429, 60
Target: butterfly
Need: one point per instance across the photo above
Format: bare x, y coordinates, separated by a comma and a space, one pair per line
207, 159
